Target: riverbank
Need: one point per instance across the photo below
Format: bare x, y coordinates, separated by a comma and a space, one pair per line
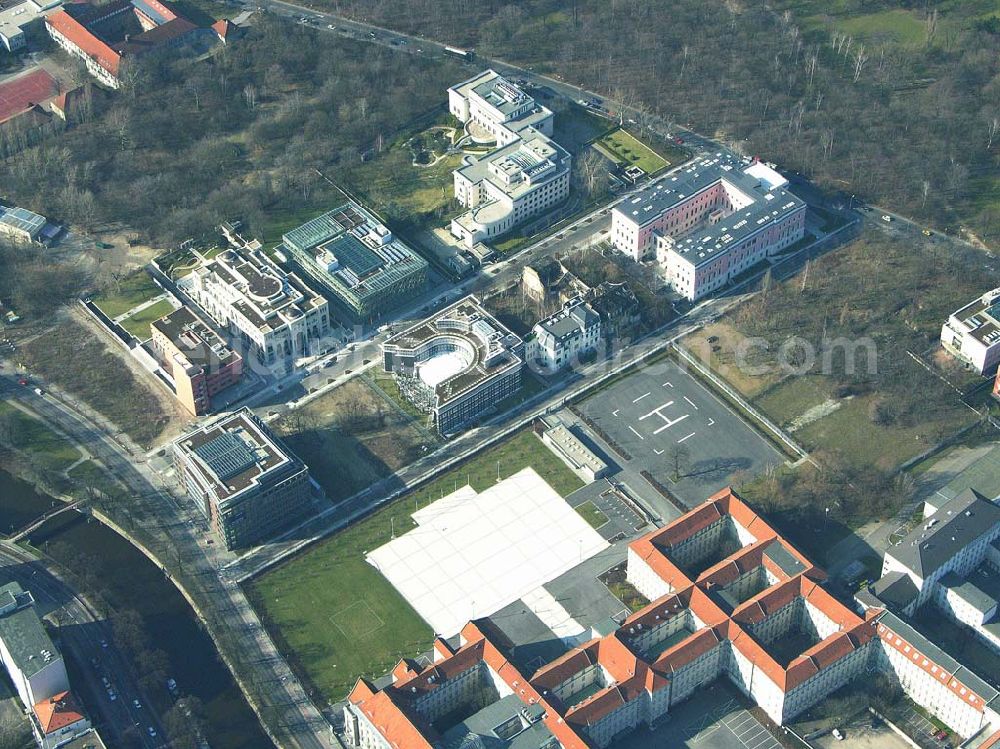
123, 578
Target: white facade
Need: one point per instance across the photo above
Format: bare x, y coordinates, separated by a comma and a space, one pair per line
274, 312
560, 340
94, 67
972, 333
526, 174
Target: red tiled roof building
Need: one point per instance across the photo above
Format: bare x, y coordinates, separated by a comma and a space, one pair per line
729, 597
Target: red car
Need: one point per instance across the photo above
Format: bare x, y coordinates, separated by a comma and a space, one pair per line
22, 381
941, 735
678, 139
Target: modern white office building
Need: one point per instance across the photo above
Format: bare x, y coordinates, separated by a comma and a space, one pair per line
709, 222
525, 175
18, 16
457, 365
972, 333
561, 339
275, 314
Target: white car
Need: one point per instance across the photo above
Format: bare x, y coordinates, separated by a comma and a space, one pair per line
837, 734
886, 217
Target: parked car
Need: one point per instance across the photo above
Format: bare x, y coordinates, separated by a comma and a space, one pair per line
837, 734
941, 735
886, 217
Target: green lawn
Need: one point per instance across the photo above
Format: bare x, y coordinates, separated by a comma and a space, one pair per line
30, 435
592, 514
336, 617
89, 475
850, 431
793, 397
138, 324
397, 188
627, 150
133, 290
575, 128
282, 218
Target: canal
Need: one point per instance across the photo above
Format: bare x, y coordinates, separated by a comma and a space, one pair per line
130, 581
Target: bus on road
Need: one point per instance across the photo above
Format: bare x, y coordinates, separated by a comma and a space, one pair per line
465, 54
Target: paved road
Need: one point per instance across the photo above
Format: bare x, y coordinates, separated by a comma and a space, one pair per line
174, 531
82, 633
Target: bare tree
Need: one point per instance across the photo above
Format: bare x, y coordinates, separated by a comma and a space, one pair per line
860, 58
679, 458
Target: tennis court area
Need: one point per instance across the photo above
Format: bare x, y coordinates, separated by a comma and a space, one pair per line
17, 94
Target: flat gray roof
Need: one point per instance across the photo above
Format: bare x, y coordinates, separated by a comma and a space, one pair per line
768, 204
22, 632
959, 522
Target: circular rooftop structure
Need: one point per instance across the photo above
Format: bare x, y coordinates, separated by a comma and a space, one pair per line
445, 361
264, 287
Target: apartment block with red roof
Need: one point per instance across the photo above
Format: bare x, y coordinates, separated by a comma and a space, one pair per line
729, 598
57, 720
103, 36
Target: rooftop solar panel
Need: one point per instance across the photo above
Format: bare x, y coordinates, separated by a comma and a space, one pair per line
227, 456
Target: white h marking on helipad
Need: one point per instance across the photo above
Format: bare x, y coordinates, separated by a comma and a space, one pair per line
669, 423
656, 411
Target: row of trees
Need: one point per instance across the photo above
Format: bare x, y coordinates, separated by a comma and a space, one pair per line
189, 143
914, 125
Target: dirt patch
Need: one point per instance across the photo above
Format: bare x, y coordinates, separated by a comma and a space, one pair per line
726, 351
816, 413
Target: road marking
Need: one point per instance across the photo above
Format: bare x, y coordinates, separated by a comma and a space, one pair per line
687, 437
658, 452
667, 385
710, 422
669, 423
636, 433
656, 411
640, 398
615, 412
691, 402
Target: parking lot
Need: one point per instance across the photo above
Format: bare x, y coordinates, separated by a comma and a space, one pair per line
671, 426
714, 718
623, 521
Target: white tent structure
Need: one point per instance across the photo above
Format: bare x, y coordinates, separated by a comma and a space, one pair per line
473, 553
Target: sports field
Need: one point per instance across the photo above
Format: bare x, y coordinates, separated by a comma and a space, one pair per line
20, 92
625, 149
335, 617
